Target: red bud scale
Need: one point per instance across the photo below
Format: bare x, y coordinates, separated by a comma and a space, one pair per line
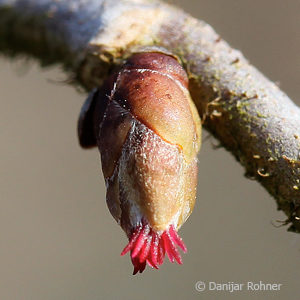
148, 133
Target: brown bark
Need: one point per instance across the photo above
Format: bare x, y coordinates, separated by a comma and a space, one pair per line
249, 115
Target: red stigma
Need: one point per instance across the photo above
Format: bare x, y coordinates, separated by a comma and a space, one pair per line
146, 246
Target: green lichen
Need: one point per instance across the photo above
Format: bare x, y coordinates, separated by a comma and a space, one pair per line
260, 115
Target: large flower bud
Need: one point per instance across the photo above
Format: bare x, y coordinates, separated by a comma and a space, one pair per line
148, 132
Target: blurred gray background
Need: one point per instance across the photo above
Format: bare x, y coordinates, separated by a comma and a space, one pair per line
57, 238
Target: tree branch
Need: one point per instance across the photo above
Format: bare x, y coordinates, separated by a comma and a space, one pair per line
249, 114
